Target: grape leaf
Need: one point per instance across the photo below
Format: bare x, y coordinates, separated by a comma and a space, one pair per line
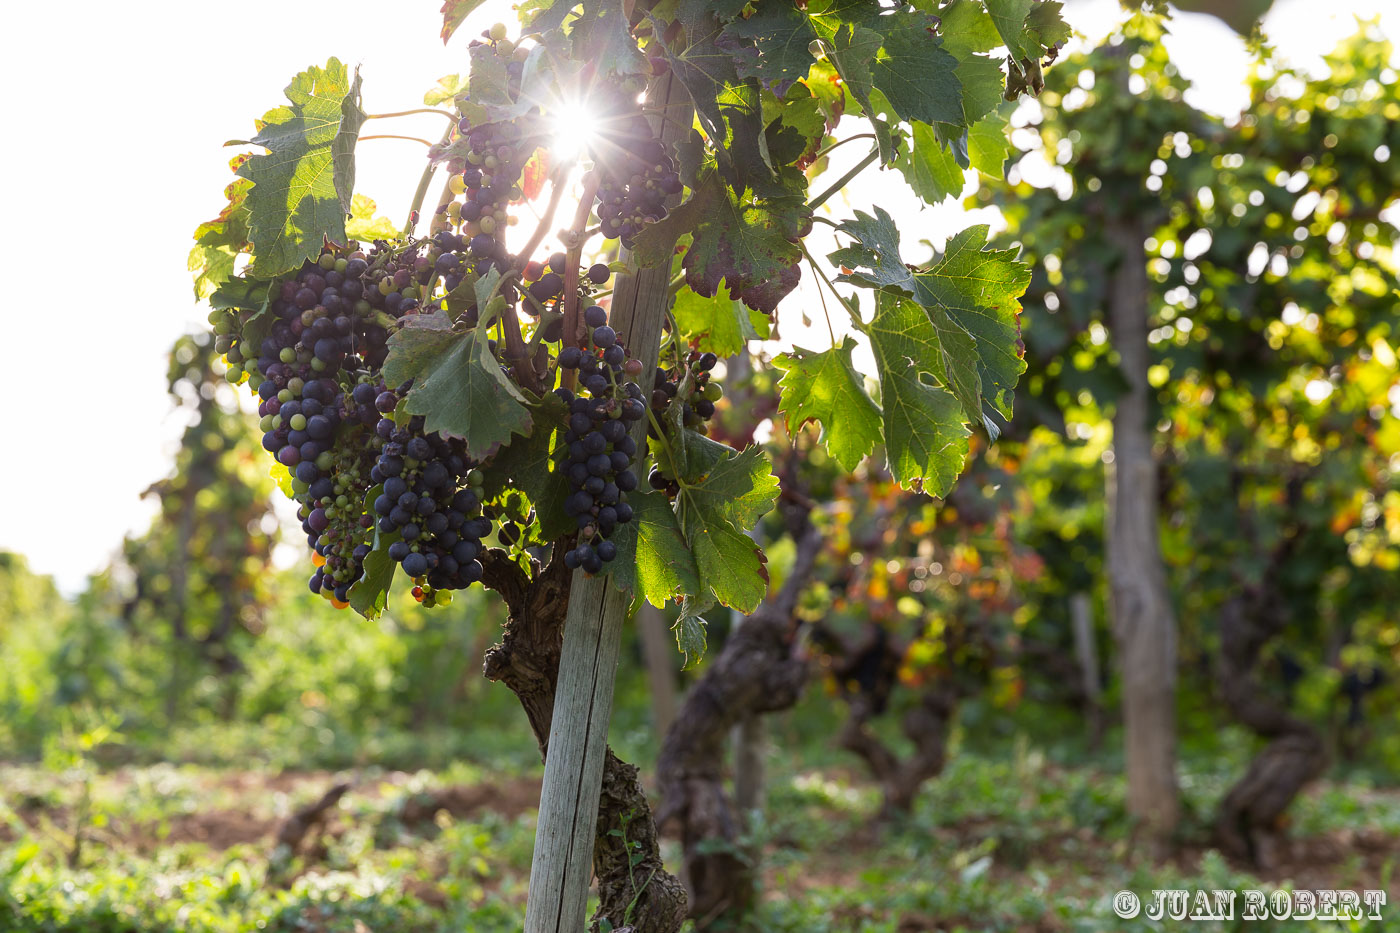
925, 439
916, 75
453, 13
302, 186
714, 512
448, 88
851, 48
719, 323
603, 36
218, 242
536, 465
1009, 16
282, 477
690, 12
730, 564
653, 558
966, 28
982, 86
969, 297
704, 69
825, 387
876, 246
929, 167
1045, 27
988, 146
978, 289
690, 631
772, 45
741, 488
459, 387
747, 242
364, 225
369, 594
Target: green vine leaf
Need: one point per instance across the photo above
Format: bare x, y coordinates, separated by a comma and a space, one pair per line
370, 593
218, 242
977, 289
448, 89
772, 45
536, 465
969, 297
302, 186
824, 387
718, 323
1009, 17
690, 632
714, 512
925, 438
602, 35
747, 242
365, 225
653, 558
988, 146
741, 489
967, 28
453, 13
459, 387
916, 75
929, 166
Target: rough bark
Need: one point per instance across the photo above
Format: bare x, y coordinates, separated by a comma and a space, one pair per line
1143, 620
760, 670
527, 661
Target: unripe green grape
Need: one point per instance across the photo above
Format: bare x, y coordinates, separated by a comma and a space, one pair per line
299, 487
342, 264
285, 395
234, 355
713, 392
265, 423
288, 355
325, 461
326, 261
498, 31
298, 422
234, 374
296, 384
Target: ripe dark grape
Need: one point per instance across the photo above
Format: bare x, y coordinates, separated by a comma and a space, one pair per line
600, 452
637, 172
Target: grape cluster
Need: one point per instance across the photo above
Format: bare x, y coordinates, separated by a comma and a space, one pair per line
431, 498
636, 173
496, 154
601, 452
697, 404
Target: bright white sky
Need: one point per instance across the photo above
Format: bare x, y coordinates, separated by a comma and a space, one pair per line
117, 113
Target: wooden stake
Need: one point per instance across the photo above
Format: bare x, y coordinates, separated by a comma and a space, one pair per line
573, 773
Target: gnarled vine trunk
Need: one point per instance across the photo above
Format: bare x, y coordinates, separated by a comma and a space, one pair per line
760, 670
1249, 824
527, 661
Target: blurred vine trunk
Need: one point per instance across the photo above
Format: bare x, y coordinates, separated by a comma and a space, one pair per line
926, 725
1143, 621
660, 659
1251, 820
761, 669
1086, 652
632, 882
